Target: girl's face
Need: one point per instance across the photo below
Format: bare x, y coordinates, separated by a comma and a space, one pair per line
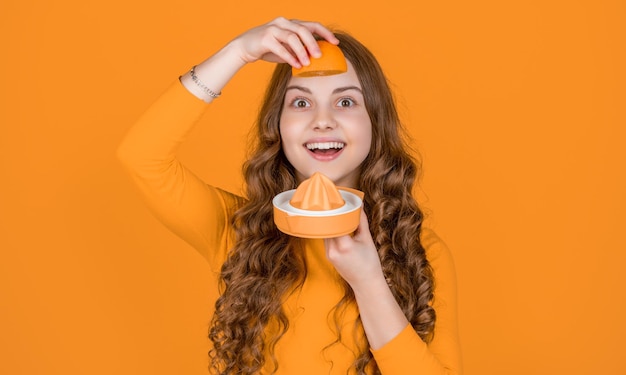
325, 127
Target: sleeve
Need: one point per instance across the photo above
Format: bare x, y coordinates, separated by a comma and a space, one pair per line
193, 210
407, 353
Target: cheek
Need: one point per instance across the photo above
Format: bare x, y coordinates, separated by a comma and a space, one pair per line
363, 132
367, 145
288, 141
286, 126
286, 135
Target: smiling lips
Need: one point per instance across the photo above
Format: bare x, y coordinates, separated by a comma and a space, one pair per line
325, 151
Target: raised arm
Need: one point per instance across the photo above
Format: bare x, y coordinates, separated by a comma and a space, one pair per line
196, 212
281, 41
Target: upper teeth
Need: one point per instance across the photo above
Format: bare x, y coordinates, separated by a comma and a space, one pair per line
324, 145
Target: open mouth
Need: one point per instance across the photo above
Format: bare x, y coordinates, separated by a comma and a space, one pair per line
325, 148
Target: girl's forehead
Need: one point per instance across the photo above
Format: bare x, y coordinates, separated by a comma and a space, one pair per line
330, 82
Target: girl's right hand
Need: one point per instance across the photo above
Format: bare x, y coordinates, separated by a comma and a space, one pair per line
282, 41
279, 41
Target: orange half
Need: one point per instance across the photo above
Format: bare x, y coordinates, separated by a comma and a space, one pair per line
331, 62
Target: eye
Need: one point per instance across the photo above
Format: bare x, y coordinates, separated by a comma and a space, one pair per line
346, 102
300, 103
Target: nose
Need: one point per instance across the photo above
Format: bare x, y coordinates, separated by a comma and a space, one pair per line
324, 120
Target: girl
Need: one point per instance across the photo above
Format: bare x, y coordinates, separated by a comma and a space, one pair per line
379, 301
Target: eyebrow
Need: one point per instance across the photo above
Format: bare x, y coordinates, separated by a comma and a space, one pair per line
335, 91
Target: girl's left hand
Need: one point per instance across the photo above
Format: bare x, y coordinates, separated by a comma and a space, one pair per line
355, 256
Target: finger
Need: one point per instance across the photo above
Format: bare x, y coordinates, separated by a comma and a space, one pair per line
321, 30
285, 53
340, 244
295, 42
364, 226
306, 32
284, 43
329, 245
312, 27
297, 36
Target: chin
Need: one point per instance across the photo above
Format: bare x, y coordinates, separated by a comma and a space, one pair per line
306, 175
337, 177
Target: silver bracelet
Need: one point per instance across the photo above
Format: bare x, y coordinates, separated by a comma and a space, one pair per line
204, 88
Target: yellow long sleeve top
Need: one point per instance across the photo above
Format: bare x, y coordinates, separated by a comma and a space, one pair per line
200, 214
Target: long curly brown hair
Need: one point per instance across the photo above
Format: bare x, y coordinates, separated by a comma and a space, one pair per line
265, 265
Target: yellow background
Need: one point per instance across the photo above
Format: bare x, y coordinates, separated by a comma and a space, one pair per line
518, 110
